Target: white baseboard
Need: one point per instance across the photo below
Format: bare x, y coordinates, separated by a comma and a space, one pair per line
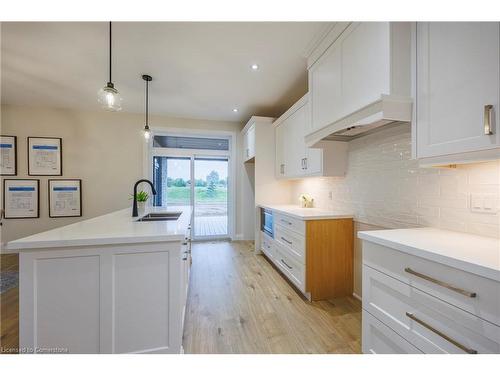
356, 296
241, 237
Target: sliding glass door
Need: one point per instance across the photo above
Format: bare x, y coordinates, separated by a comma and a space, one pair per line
172, 180
210, 197
198, 181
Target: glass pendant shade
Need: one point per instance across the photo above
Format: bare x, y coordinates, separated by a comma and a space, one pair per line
109, 98
147, 133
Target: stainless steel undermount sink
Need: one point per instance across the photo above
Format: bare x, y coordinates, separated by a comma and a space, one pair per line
161, 216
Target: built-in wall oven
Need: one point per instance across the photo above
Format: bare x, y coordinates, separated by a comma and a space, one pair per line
266, 221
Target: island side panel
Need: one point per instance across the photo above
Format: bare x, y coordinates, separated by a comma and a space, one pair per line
60, 302
102, 299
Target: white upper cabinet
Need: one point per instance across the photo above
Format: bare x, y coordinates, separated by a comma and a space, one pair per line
293, 158
364, 61
249, 144
325, 89
457, 91
365, 56
280, 151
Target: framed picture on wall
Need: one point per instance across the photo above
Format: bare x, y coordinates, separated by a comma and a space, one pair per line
65, 198
21, 198
8, 155
44, 156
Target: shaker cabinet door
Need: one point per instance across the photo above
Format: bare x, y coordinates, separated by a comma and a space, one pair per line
325, 83
457, 87
281, 167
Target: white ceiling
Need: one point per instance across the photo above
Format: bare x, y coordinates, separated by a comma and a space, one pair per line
199, 70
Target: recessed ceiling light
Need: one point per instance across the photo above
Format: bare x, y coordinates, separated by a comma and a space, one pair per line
235, 110
255, 67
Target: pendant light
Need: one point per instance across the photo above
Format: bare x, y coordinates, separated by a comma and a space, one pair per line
109, 97
147, 131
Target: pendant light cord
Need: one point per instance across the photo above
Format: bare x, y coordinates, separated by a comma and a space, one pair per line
110, 55
147, 102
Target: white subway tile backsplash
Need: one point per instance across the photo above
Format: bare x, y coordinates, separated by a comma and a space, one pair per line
385, 187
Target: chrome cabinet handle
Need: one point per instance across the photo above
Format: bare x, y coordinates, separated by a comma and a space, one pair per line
441, 334
286, 222
305, 163
289, 267
487, 119
288, 242
441, 283
185, 257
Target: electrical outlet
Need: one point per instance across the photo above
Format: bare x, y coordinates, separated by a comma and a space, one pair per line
484, 203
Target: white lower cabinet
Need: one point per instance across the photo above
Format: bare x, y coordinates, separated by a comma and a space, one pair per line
380, 339
126, 298
314, 255
267, 245
294, 270
285, 259
421, 311
293, 243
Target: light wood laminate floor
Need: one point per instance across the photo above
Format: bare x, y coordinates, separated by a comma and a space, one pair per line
238, 303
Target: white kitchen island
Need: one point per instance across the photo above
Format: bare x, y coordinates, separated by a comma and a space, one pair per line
110, 284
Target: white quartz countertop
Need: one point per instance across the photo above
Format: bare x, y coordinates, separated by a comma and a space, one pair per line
115, 228
308, 213
468, 252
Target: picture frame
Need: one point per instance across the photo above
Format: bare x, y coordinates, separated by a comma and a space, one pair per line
21, 198
65, 198
45, 156
8, 155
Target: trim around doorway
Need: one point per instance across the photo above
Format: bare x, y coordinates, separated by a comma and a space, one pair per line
231, 154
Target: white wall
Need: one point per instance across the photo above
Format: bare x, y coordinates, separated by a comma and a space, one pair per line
104, 149
384, 187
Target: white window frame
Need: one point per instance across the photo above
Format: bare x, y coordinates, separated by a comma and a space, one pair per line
149, 152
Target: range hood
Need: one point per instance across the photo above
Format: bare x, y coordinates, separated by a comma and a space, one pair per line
389, 110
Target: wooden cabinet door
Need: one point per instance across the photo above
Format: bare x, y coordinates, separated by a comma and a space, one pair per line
457, 76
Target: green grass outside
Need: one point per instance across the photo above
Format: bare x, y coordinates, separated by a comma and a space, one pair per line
182, 195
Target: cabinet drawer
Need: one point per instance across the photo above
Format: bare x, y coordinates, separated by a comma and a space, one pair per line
293, 243
429, 323
380, 339
290, 267
290, 223
416, 271
267, 245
